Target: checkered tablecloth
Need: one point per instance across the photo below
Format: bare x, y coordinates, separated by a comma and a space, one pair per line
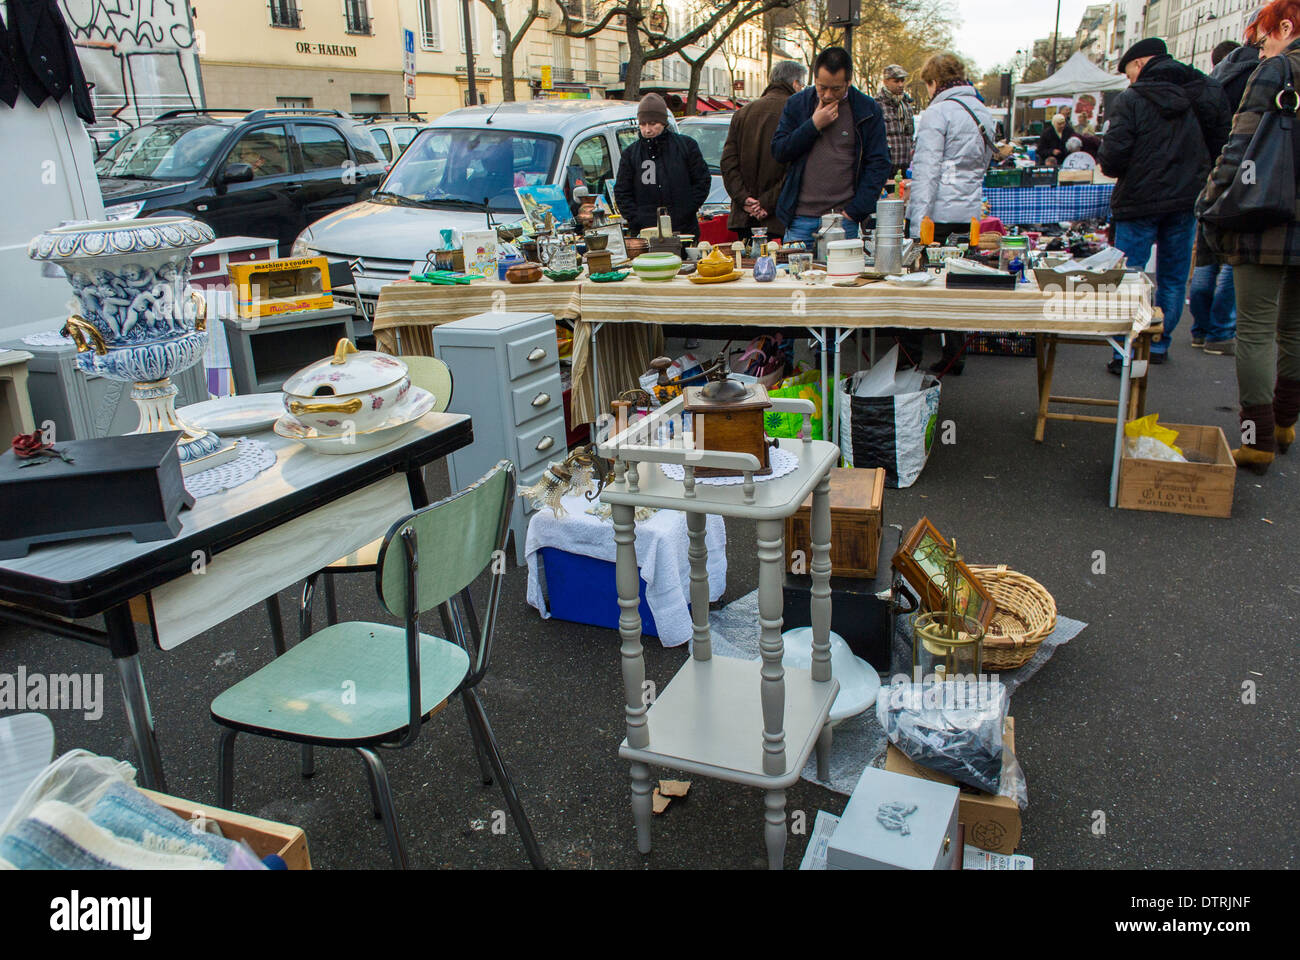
1031, 205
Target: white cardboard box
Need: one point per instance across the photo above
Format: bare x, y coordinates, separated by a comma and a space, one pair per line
861, 842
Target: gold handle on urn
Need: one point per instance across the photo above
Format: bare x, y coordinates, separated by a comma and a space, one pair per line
298, 408
85, 335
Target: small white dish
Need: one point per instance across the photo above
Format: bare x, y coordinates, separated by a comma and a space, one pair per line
859, 683
417, 404
912, 279
231, 416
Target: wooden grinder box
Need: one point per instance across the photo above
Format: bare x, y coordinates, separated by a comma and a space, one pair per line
857, 514
1202, 489
735, 426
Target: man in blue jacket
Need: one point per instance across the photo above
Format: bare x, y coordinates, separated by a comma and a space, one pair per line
832, 137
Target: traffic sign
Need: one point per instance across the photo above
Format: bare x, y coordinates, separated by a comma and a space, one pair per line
408, 55
546, 77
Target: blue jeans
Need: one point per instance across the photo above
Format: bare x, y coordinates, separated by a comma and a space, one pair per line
1173, 235
803, 229
1213, 302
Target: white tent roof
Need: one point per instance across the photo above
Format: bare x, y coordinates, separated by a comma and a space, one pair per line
1077, 75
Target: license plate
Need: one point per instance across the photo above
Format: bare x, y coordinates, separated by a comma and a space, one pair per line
344, 301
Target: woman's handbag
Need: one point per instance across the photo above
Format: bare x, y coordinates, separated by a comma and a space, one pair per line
1263, 193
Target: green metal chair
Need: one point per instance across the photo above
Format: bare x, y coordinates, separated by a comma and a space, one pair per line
369, 685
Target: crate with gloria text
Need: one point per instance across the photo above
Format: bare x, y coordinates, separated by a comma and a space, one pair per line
1201, 488
281, 286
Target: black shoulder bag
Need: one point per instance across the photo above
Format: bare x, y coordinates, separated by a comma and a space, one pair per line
1263, 193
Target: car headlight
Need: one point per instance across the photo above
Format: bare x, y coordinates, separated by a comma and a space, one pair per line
302, 246
124, 211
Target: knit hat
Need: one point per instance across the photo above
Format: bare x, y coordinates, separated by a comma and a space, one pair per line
652, 109
895, 72
1150, 47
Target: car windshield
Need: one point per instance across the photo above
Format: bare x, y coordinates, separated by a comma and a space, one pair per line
163, 151
711, 137
459, 167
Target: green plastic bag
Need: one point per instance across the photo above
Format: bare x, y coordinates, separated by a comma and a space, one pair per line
802, 386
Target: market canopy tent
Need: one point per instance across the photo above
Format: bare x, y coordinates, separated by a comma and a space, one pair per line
1078, 75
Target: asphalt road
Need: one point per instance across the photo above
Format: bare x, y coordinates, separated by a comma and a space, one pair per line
1139, 720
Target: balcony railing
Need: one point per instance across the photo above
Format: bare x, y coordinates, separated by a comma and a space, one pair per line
356, 16
284, 13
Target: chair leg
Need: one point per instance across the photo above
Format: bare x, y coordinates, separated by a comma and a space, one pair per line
226, 767
306, 761
479, 719
331, 600
304, 607
642, 801
277, 625
484, 765
774, 830
824, 753
374, 794
379, 788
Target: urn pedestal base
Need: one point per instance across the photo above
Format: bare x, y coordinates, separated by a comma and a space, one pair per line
198, 449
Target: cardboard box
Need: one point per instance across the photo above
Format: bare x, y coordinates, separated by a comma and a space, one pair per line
992, 822
1066, 177
281, 286
1196, 489
264, 836
1099, 177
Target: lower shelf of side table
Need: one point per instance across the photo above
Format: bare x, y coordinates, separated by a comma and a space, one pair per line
709, 721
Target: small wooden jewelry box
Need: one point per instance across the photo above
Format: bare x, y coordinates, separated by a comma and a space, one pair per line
857, 514
731, 425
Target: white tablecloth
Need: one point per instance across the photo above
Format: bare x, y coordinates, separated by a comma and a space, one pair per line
661, 545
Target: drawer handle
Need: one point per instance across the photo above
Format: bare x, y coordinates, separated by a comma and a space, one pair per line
541, 400
545, 443
538, 354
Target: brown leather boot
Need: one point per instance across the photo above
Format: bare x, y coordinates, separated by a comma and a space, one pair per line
1286, 410
1256, 457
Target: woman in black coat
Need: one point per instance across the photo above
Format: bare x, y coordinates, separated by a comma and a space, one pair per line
1052, 149
661, 169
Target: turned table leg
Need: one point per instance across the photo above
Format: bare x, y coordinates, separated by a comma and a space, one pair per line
701, 644
770, 601
774, 828
629, 628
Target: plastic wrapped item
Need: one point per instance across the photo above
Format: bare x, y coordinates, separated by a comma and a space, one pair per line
955, 727
1145, 439
83, 812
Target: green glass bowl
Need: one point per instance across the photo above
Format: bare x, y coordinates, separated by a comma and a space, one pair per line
614, 276
562, 276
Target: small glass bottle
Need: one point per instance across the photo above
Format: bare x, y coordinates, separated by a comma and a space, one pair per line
765, 267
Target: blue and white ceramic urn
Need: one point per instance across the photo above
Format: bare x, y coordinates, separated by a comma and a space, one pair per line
139, 321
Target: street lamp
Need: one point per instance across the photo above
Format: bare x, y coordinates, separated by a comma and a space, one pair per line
1203, 15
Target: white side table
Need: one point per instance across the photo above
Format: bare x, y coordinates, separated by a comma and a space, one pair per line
748, 722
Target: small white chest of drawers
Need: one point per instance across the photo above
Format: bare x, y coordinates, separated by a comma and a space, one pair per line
506, 375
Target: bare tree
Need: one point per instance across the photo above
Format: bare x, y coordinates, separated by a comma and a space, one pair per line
719, 43
646, 28
509, 41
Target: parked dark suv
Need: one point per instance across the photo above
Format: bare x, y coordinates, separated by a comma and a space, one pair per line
265, 173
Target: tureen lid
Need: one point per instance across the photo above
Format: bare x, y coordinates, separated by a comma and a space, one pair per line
844, 245
349, 371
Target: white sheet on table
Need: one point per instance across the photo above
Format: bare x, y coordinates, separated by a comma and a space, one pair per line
661, 545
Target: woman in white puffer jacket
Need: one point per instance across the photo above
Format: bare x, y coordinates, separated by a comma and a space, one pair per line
953, 150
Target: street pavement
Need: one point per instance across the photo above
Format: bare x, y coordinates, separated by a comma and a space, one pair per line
1135, 741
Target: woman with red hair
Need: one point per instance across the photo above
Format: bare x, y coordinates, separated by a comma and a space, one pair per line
1265, 263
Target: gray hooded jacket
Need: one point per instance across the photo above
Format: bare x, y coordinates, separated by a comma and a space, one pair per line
951, 158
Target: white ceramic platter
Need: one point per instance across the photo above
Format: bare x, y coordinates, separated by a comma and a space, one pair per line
230, 416
913, 279
417, 404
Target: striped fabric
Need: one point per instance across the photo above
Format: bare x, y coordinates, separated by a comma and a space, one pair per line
1032, 205
625, 347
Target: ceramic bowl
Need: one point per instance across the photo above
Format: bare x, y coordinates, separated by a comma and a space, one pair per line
656, 267
354, 389
716, 264
562, 276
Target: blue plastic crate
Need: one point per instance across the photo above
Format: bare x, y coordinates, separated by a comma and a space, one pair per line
584, 590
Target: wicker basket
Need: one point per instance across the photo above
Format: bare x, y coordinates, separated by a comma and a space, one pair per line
1026, 616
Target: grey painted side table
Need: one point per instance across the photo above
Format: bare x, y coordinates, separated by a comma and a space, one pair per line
749, 722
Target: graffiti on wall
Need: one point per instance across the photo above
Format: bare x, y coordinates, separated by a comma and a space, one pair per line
140, 55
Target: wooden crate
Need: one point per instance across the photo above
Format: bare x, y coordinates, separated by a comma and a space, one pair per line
857, 514
264, 836
1198, 489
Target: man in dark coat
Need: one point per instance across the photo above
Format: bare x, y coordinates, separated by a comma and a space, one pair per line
752, 176
1165, 131
832, 136
661, 169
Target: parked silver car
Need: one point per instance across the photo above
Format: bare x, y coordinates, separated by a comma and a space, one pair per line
710, 132
465, 156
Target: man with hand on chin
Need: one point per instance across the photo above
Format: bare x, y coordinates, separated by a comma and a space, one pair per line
832, 136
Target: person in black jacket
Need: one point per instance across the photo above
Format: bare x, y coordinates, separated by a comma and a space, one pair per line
1165, 132
1051, 150
662, 169
1212, 298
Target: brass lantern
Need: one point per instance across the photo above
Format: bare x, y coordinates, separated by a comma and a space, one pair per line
945, 643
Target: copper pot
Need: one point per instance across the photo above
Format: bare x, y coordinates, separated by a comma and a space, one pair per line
524, 273
635, 246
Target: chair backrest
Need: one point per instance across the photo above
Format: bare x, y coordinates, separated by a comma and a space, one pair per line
456, 539
430, 373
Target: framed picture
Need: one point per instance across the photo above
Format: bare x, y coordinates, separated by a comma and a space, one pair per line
538, 201
920, 559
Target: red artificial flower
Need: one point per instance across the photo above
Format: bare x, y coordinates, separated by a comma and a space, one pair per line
26, 446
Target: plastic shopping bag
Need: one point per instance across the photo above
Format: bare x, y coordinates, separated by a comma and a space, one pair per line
1145, 439
895, 431
803, 386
